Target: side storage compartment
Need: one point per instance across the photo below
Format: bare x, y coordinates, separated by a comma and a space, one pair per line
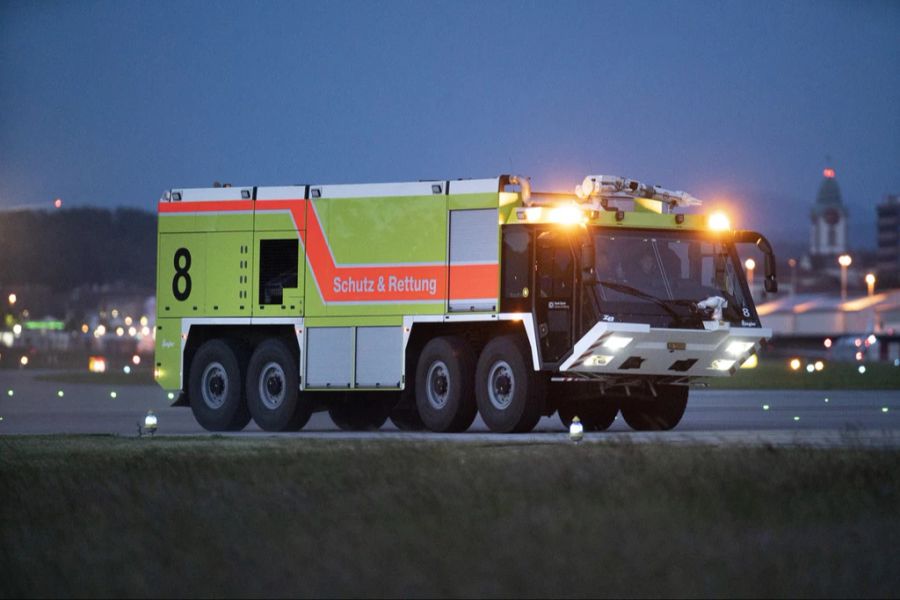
329, 357
378, 357
363, 357
474, 262
227, 275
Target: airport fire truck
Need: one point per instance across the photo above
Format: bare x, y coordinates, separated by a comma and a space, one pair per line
433, 301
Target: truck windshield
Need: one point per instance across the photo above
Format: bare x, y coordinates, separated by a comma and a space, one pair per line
658, 277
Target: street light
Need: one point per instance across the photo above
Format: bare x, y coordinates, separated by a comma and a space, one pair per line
792, 263
750, 264
12, 299
844, 260
870, 282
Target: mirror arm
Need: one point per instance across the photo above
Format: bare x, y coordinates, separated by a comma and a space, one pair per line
753, 237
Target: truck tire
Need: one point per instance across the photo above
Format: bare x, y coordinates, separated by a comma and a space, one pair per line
216, 387
273, 388
595, 414
361, 411
510, 394
444, 379
660, 413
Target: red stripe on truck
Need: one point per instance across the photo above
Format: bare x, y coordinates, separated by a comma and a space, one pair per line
365, 283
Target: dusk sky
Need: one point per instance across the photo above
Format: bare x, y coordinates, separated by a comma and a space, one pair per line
738, 103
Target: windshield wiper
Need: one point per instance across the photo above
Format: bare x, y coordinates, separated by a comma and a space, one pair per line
633, 291
695, 316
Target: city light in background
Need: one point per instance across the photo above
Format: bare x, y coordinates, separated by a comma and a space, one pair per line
844, 261
870, 283
792, 263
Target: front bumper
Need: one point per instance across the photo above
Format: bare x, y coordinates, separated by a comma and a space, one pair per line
634, 349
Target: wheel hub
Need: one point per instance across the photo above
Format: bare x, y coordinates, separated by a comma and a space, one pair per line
272, 385
501, 385
214, 386
438, 384
217, 385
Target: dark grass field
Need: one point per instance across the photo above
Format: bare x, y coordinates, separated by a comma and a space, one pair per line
137, 377
107, 516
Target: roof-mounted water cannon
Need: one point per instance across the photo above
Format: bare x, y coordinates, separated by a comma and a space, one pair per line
612, 192
524, 184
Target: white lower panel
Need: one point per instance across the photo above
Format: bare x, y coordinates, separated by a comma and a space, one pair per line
329, 357
378, 356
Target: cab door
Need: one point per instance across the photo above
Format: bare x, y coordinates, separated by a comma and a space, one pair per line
554, 294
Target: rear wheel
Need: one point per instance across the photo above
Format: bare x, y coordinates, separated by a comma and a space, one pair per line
273, 389
444, 377
216, 387
659, 413
510, 394
361, 411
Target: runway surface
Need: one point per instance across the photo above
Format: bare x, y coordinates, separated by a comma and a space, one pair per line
836, 418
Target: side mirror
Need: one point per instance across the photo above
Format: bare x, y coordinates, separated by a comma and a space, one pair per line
752, 237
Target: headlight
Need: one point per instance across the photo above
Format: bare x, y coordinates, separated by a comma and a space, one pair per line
738, 348
617, 342
721, 364
597, 360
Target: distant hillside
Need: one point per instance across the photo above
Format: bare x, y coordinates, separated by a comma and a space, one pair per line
67, 248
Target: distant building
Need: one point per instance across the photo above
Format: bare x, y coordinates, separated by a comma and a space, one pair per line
888, 257
828, 231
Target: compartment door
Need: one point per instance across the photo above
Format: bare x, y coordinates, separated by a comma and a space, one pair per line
228, 274
278, 274
474, 262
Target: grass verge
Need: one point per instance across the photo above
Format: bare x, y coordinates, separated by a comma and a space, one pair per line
108, 516
777, 375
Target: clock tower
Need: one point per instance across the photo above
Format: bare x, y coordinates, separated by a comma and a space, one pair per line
828, 234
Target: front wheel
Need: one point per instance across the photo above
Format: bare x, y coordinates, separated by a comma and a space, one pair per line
660, 413
273, 389
510, 394
216, 387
